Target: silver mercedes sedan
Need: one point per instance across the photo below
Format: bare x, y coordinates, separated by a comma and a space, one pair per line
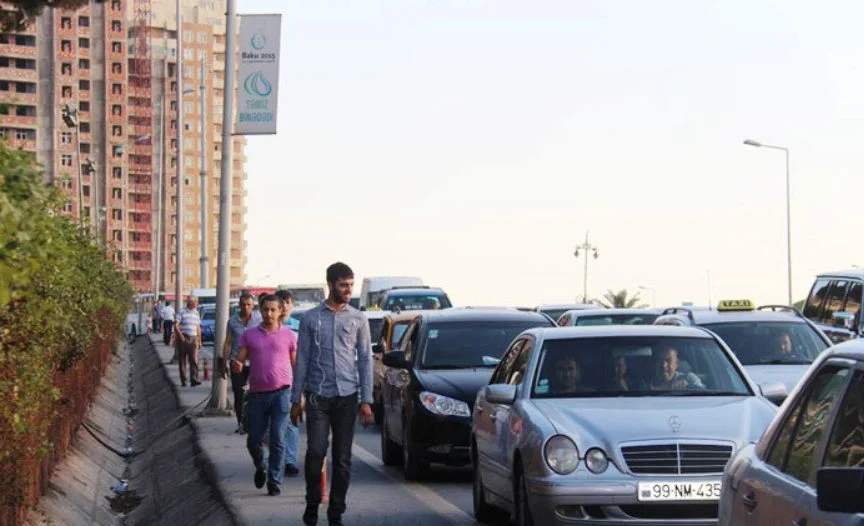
611, 425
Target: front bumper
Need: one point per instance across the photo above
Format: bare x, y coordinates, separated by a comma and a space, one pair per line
442, 439
611, 503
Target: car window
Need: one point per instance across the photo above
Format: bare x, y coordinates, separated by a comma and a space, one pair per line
424, 301
408, 339
813, 308
398, 330
616, 319
834, 301
853, 301
756, 343
502, 371
564, 320
846, 445
520, 364
794, 450
375, 326
636, 366
470, 343
553, 313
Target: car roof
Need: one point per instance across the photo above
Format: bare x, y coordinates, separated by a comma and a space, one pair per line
570, 306
607, 331
466, 315
848, 273
600, 312
852, 349
706, 316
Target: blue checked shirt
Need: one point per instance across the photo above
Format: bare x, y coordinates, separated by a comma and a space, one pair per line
334, 357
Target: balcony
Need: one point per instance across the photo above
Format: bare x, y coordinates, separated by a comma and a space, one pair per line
141, 206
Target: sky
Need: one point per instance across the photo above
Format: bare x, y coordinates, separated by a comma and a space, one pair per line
474, 143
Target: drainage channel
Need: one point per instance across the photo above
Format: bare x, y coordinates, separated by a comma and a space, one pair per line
136, 458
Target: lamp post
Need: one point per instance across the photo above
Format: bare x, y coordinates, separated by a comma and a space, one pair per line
757, 144
178, 233
203, 260
653, 294
588, 248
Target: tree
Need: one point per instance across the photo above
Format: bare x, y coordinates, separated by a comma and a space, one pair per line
24, 11
621, 300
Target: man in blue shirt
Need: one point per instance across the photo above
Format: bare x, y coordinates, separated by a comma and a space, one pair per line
292, 431
334, 366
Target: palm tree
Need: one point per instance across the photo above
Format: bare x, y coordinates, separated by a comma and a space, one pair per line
621, 300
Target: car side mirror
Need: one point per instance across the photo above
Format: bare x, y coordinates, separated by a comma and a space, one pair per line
774, 391
840, 490
395, 359
503, 394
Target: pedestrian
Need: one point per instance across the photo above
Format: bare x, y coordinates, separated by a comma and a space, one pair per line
187, 334
292, 431
334, 374
246, 317
167, 323
268, 347
157, 317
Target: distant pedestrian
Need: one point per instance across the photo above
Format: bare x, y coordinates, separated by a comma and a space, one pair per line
156, 316
334, 366
187, 334
245, 318
167, 323
269, 348
292, 432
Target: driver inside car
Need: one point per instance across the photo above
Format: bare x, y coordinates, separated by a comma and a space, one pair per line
668, 377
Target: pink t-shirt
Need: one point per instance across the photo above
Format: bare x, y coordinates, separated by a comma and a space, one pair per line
269, 355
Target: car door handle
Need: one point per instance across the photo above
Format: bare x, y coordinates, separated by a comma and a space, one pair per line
749, 500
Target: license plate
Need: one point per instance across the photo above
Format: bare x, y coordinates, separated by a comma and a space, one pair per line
679, 490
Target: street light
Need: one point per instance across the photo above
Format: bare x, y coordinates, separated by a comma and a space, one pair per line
588, 248
757, 144
203, 260
653, 294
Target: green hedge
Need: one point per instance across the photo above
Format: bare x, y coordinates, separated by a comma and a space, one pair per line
62, 309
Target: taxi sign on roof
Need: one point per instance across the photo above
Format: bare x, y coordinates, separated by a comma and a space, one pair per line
731, 305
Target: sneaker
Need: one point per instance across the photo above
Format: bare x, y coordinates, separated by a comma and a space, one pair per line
195, 383
273, 490
291, 470
310, 516
260, 478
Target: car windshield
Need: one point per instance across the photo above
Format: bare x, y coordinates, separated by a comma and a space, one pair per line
209, 314
553, 313
398, 331
615, 319
469, 344
420, 301
636, 366
769, 343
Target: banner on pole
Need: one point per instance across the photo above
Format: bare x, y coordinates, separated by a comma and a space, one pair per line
258, 74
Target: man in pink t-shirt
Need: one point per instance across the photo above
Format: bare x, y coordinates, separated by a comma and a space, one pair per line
270, 349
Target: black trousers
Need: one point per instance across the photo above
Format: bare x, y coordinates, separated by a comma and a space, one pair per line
238, 380
168, 328
337, 415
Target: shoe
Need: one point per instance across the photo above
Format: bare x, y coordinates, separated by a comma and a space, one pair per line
291, 470
260, 478
195, 382
310, 516
182, 384
273, 490
239, 429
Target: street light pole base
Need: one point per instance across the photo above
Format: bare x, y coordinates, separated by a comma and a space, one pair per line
215, 411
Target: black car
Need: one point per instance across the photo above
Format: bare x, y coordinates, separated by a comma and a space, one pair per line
430, 383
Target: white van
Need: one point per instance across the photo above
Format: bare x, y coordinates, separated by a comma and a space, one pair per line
372, 287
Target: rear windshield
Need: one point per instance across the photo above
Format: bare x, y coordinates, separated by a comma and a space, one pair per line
423, 301
615, 319
636, 366
770, 343
462, 345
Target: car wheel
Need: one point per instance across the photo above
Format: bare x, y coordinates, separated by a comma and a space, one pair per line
390, 453
412, 465
483, 511
521, 506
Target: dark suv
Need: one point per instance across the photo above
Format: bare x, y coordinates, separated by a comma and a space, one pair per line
431, 382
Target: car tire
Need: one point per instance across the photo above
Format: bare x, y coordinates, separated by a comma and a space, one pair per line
484, 512
521, 506
412, 465
391, 455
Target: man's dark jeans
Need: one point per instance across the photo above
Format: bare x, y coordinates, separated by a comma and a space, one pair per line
323, 415
168, 328
238, 380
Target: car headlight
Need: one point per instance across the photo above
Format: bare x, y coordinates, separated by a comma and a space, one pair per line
444, 405
596, 460
561, 455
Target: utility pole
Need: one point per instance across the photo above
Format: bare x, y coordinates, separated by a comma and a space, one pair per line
157, 267
204, 230
178, 262
219, 393
587, 247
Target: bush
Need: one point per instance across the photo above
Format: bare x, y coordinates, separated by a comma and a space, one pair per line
62, 309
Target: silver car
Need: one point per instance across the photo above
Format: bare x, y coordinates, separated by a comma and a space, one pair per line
611, 425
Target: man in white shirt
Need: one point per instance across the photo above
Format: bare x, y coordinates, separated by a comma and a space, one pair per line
187, 334
167, 322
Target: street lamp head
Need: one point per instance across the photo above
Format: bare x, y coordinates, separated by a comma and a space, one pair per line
576, 253
751, 142
596, 254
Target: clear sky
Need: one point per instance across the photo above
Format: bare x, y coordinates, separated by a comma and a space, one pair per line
473, 143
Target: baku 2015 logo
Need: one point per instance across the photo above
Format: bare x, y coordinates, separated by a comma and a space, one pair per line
255, 84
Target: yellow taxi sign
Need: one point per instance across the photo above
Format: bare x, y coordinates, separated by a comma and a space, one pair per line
731, 305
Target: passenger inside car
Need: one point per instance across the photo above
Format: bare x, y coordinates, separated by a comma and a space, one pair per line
620, 378
668, 376
847, 441
567, 376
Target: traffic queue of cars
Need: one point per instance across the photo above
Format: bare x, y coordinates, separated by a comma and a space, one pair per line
631, 416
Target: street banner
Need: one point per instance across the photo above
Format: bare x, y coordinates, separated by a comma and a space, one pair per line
258, 74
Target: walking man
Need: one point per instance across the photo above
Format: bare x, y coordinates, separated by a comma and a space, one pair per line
187, 334
167, 323
268, 347
245, 318
157, 317
334, 373
292, 431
